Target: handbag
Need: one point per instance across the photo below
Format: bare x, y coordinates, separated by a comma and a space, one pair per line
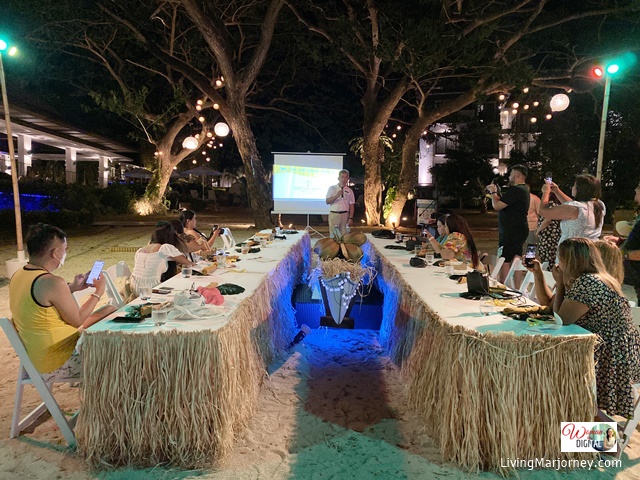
477, 282
417, 262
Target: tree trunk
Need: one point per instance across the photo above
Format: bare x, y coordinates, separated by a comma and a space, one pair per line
372, 153
407, 173
260, 200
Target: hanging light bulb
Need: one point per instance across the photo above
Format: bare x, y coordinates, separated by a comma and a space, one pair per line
209, 134
515, 105
501, 96
533, 120
526, 107
190, 143
399, 127
204, 152
535, 104
218, 83
559, 102
220, 144
525, 90
198, 107
208, 159
221, 129
548, 116
199, 102
514, 111
216, 106
194, 161
202, 119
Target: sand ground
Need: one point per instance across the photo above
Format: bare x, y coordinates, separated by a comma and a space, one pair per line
334, 407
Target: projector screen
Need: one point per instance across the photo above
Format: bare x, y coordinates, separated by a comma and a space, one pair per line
301, 181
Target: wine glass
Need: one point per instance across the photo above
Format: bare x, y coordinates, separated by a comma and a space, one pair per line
486, 305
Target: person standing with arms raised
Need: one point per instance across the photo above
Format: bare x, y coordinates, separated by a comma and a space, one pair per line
341, 201
512, 208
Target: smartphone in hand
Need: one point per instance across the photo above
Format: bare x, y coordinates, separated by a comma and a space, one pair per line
530, 255
95, 272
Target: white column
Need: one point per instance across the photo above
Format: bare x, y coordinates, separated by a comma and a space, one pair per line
24, 155
103, 171
70, 164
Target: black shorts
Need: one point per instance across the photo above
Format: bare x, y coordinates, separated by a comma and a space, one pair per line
512, 244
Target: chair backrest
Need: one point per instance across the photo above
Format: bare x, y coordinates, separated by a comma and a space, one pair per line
527, 287
119, 270
494, 263
15, 341
516, 266
635, 311
79, 295
227, 239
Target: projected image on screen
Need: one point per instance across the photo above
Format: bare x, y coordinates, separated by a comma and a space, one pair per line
301, 181
310, 183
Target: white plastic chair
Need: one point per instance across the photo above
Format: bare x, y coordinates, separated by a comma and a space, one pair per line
227, 239
119, 270
516, 266
528, 286
79, 295
27, 374
494, 263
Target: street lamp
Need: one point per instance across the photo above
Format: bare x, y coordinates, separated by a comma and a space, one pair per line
607, 72
16, 263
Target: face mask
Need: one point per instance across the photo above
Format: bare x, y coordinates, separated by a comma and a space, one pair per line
61, 260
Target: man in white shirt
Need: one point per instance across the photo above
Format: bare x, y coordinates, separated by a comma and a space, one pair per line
341, 200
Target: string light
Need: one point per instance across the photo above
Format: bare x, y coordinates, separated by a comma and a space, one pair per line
533, 120
501, 96
399, 127
201, 119
535, 104
199, 102
548, 116
515, 105
216, 106
525, 90
526, 107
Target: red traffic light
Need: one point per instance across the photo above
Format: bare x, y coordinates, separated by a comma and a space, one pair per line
598, 72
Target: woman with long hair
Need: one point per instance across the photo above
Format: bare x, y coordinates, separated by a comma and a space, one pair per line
587, 295
152, 260
582, 216
190, 223
611, 259
458, 243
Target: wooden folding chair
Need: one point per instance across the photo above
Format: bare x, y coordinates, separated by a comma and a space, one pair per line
27, 374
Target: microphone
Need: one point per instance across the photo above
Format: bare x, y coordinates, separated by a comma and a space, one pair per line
304, 331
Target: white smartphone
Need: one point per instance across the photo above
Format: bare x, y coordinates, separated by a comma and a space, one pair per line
95, 272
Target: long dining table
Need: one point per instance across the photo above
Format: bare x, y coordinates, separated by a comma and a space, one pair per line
488, 388
177, 394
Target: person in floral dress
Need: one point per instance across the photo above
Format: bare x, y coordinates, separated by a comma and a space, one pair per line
590, 297
458, 243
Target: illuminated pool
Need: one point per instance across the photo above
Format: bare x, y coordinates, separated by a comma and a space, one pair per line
28, 202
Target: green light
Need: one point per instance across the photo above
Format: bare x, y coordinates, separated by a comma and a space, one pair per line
3, 45
613, 68
12, 51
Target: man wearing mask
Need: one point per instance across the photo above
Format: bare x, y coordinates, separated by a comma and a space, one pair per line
45, 314
512, 208
341, 201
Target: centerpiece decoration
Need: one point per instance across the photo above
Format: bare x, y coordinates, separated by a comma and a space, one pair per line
340, 272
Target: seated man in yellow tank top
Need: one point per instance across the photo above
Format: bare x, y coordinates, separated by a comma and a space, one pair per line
44, 311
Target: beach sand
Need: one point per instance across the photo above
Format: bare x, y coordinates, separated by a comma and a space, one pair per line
333, 407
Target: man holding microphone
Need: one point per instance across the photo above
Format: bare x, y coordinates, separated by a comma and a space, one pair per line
341, 201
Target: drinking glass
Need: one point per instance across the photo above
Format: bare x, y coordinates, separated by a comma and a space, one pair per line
186, 271
429, 258
145, 293
244, 248
159, 316
486, 305
222, 260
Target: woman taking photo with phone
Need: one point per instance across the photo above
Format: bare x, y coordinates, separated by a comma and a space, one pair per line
190, 223
458, 243
581, 216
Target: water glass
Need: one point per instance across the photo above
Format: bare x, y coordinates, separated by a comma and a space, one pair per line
186, 271
448, 270
222, 260
159, 316
486, 305
145, 293
263, 242
429, 258
244, 248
